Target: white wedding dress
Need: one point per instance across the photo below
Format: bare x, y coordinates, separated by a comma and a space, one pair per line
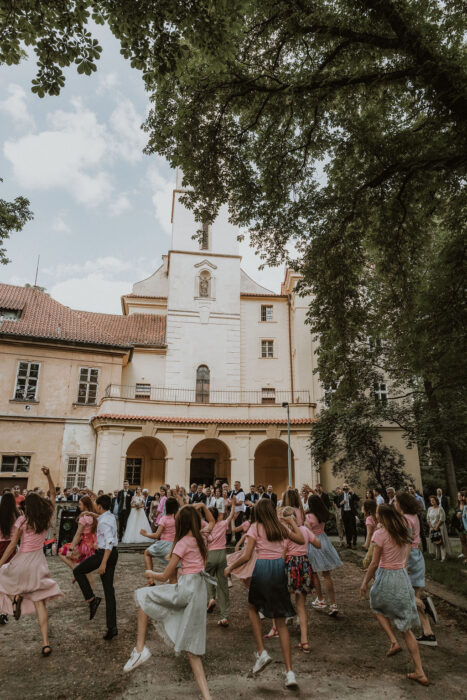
137, 521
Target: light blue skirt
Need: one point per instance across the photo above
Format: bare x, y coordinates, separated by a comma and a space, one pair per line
326, 558
392, 596
416, 568
161, 549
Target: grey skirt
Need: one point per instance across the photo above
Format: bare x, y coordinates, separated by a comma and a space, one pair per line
392, 596
416, 568
161, 549
178, 611
326, 558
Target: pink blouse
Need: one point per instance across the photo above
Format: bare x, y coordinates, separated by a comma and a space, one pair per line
191, 561
265, 549
316, 526
168, 523
86, 521
392, 555
414, 525
30, 541
293, 549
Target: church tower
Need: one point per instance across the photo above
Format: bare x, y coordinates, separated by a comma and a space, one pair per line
203, 307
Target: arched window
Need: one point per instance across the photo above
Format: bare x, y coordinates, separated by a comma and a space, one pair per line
205, 284
202, 384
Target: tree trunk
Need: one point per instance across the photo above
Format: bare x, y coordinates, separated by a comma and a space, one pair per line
445, 448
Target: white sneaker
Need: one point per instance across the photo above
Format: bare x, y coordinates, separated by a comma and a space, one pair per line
229, 582
460, 556
136, 659
289, 620
290, 680
262, 660
319, 604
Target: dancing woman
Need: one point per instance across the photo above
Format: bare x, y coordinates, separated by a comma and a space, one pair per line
291, 498
84, 543
217, 562
179, 610
410, 507
325, 559
164, 536
25, 583
268, 591
392, 597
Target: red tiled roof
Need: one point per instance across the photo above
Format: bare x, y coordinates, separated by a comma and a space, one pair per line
223, 421
43, 317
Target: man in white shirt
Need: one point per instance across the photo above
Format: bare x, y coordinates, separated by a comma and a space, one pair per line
379, 498
105, 561
240, 507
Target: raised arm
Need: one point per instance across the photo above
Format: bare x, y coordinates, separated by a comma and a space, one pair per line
294, 533
46, 471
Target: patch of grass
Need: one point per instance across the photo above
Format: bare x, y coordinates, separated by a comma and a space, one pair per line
450, 573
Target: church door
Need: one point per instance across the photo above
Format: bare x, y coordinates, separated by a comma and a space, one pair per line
202, 471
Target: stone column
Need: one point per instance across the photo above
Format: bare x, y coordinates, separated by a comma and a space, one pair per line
304, 474
110, 465
240, 465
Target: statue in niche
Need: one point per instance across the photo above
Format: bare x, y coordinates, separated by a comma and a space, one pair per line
204, 286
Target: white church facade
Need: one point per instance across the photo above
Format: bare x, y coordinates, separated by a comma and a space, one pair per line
187, 385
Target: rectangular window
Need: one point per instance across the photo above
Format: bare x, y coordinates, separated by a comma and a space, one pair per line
76, 472
15, 463
268, 395
267, 348
143, 391
27, 379
329, 391
381, 393
133, 470
9, 315
266, 313
204, 243
87, 386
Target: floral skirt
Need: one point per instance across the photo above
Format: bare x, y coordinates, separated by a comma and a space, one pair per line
85, 548
299, 574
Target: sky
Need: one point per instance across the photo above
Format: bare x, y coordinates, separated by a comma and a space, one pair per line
101, 207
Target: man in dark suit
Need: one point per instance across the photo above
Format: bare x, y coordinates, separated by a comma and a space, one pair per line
124, 507
147, 501
348, 506
74, 495
199, 496
442, 500
251, 498
270, 494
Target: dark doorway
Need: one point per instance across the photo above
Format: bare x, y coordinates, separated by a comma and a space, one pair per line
202, 471
7, 482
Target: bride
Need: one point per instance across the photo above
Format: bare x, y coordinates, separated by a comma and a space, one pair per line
136, 521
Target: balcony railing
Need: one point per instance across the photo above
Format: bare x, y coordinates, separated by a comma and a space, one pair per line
225, 396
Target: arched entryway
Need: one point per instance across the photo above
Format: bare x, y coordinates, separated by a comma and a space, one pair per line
271, 465
145, 463
210, 460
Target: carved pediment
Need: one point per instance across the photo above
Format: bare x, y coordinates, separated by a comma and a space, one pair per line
206, 263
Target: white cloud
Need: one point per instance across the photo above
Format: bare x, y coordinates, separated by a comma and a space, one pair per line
107, 82
129, 140
91, 293
120, 204
15, 106
60, 157
162, 196
59, 224
106, 267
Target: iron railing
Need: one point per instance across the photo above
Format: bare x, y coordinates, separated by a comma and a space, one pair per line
179, 395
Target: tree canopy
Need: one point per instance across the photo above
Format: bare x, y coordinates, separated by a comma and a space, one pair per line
338, 127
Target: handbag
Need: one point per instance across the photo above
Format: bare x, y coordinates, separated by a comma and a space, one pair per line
436, 537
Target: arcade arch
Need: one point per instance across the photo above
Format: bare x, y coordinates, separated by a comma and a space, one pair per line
145, 463
271, 465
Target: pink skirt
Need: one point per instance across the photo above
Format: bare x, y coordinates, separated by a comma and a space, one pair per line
85, 548
246, 570
27, 574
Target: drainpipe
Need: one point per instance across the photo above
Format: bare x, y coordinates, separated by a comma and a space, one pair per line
290, 347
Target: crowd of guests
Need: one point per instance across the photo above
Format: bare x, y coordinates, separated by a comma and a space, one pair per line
282, 555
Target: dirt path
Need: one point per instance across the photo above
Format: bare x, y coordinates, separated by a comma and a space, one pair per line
348, 659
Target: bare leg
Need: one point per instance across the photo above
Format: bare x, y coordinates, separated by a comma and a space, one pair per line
147, 560
300, 600
386, 625
412, 646
424, 621
284, 640
67, 561
329, 586
197, 667
43, 620
142, 629
256, 627
317, 585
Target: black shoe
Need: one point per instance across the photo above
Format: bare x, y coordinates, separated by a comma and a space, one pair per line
430, 609
428, 639
93, 605
110, 634
3, 619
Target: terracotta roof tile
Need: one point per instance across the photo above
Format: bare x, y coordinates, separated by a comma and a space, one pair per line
43, 317
223, 421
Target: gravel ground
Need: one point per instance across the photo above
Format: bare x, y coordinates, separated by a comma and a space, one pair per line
347, 660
